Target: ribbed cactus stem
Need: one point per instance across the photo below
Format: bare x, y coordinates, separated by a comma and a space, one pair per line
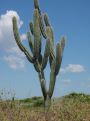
43, 84
30, 41
59, 54
42, 28
18, 41
37, 35
62, 43
46, 20
36, 5
46, 54
31, 27
52, 55
58, 58
52, 78
52, 83
50, 35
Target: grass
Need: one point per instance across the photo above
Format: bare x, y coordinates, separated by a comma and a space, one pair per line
73, 107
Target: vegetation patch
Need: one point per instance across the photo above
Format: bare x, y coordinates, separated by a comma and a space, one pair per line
73, 107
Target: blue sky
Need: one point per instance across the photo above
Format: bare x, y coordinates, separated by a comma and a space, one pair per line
68, 18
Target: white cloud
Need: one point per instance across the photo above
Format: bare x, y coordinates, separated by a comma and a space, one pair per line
23, 37
14, 62
16, 51
7, 41
74, 68
62, 70
6, 32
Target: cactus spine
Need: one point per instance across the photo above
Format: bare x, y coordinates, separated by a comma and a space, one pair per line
39, 28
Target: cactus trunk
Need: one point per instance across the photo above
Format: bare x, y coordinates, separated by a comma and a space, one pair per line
47, 102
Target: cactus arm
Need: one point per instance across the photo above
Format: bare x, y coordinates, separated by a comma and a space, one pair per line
59, 54
52, 79
42, 28
58, 58
49, 30
36, 5
30, 41
46, 20
31, 27
62, 43
41, 24
55, 66
52, 83
46, 54
37, 35
16, 34
28, 56
18, 41
50, 60
52, 55
50, 34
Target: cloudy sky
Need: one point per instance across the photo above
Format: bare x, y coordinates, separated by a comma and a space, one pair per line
68, 18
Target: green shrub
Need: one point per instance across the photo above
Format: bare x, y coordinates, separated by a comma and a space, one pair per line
81, 97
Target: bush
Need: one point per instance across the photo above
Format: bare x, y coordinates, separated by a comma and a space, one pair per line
81, 97
38, 103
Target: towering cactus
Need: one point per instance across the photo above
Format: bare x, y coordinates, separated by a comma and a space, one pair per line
39, 28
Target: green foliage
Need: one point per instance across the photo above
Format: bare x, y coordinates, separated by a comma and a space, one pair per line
27, 100
41, 27
81, 97
34, 101
38, 103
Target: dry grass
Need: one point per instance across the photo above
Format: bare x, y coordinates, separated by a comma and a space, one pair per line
64, 109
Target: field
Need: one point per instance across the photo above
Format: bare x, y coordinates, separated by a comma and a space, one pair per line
73, 107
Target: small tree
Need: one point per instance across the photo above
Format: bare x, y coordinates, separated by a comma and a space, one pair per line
40, 27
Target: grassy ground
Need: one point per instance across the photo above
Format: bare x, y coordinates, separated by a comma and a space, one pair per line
74, 107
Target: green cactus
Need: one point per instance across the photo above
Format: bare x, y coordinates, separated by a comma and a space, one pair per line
58, 58
30, 41
41, 23
18, 41
46, 54
46, 20
31, 27
52, 79
37, 35
36, 5
40, 27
